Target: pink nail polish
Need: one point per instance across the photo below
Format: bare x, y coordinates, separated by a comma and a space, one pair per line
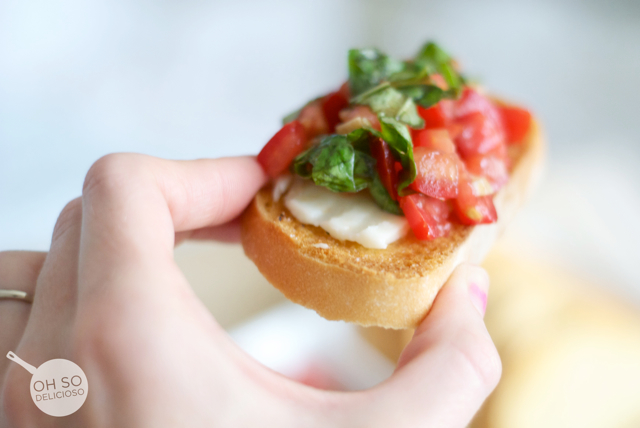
478, 298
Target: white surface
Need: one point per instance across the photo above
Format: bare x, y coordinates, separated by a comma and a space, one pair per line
288, 337
185, 79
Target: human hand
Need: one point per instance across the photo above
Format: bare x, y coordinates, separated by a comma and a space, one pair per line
109, 297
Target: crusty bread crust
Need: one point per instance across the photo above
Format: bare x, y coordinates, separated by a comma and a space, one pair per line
391, 288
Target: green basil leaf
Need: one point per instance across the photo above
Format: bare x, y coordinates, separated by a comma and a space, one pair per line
335, 164
364, 170
435, 60
387, 101
361, 138
427, 95
381, 196
369, 67
399, 140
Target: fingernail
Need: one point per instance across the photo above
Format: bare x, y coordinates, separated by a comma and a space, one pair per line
478, 297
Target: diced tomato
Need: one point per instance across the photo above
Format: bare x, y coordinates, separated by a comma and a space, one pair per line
398, 167
282, 148
313, 120
480, 134
331, 106
516, 123
434, 139
385, 164
434, 117
360, 111
481, 124
471, 209
473, 101
492, 166
437, 173
428, 217
345, 90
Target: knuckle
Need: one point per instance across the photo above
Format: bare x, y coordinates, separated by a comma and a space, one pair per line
111, 174
478, 355
70, 215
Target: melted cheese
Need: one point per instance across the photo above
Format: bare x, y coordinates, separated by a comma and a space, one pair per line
347, 217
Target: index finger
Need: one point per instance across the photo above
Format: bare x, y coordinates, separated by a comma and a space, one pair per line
134, 204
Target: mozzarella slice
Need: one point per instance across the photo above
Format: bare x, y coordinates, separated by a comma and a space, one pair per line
346, 216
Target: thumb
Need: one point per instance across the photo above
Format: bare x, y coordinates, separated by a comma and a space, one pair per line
451, 365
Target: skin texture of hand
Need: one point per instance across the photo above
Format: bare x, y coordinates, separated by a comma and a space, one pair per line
109, 297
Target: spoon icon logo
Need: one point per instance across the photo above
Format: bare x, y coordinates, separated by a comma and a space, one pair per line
59, 387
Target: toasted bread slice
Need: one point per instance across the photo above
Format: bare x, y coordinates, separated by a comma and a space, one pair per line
391, 288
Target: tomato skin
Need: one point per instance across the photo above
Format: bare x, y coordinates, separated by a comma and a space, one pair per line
386, 166
427, 217
434, 139
479, 134
276, 156
437, 173
434, 117
471, 209
481, 124
313, 120
493, 166
345, 90
517, 122
331, 106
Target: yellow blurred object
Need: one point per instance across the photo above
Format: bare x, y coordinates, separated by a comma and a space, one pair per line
570, 352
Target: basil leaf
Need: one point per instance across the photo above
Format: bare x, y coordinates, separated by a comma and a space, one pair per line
369, 67
398, 138
336, 165
364, 170
435, 60
387, 101
381, 196
427, 95
361, 138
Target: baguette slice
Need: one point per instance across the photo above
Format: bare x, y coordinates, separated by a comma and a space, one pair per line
391, 288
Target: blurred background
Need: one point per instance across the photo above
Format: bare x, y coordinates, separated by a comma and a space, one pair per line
188, 79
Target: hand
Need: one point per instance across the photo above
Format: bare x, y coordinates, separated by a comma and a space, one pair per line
109, 297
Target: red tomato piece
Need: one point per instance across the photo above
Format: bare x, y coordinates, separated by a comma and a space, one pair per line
473, 101
437, 173
481, 124
479, 134
331, 106
385, 164
276, 156
435, 116
517, 122
345, 90
313, 120
471, 209
434, 139
360, 111
428, 217
492, 166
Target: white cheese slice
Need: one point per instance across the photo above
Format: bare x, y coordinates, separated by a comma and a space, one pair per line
347, 217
